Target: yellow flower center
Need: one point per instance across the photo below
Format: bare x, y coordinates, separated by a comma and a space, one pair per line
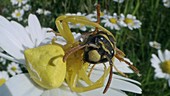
2, 81
113, 20
13, 68
129, 21
166, 66
18, 14
101, 13
19, 1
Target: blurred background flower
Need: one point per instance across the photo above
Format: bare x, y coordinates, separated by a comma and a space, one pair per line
161, 63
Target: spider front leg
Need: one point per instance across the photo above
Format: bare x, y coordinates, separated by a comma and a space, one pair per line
64, 29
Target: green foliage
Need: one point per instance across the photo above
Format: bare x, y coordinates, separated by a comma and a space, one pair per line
155, 26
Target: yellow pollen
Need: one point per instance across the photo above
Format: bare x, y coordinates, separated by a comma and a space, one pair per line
129, 21
13, 68
2, 81
166, 66
101, 13
18, 14
19, 1
113, 20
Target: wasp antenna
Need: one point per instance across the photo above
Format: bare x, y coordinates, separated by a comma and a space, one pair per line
98, 12
128, 63
132, 67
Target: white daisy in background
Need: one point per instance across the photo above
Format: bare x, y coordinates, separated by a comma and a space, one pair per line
131, 22
82, 27
18, 14
166, 3
21, 38
93, 16
119, 1
76, 14
155, 44
3, 77
47, 12
121, 21
161, 63
27, 7
14, 69
19, 2
40, 11
111, 22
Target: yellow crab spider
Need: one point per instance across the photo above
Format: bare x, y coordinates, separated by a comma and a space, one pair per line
92, 46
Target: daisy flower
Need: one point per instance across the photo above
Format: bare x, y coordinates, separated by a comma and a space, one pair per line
111, 21
121, 21
120, 84
47, 12
155, 44
161, 63
13, 68
93, 16
49, 77
19, 2
131, 22
18, 14
27, 7
166, 3
3, 77
119, 1
21, 38
40, 11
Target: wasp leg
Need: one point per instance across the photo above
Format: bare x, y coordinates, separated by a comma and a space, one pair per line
91, 70
117, 70
121, 58
110, 75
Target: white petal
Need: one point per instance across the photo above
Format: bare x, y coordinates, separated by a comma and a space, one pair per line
161, 55
20, 85
22, 35
125, 86
155, 59
35, 29
99, 92
9, 30
61, 91
9, 45
167, 55
9, 57
119, 83
126, 79
122, 66
169, 82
